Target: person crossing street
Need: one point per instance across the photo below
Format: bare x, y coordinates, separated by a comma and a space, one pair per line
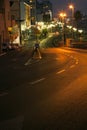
36, 49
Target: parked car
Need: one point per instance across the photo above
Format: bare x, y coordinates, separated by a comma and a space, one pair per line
5, 47
9, 46
13, 46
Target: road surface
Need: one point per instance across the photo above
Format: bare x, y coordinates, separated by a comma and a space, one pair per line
46, 94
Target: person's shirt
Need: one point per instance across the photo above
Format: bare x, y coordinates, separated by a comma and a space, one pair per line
37, 45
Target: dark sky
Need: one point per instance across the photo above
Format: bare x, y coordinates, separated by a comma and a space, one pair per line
59, 5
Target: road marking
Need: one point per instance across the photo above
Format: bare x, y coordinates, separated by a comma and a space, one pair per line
28, 62
61, 71
72, 66
3, 94
77, 62
31, 61
37, 81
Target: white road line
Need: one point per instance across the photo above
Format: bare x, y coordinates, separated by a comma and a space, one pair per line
61, 71
72, 66
77, 62
28, 62
37, 81
3, 94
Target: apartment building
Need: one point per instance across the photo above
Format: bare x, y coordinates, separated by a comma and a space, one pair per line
5, 21
44, 11
20, 13
40, 10
32, 4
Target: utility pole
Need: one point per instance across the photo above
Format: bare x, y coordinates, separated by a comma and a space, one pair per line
20, 40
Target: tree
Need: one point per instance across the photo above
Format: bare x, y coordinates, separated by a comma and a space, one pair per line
77, 16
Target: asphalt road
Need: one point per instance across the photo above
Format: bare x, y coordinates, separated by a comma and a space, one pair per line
44, 94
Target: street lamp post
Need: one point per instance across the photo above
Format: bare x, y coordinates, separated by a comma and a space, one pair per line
71, 6
63, 15
72, 9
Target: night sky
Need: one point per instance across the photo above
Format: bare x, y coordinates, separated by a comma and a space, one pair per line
59, 5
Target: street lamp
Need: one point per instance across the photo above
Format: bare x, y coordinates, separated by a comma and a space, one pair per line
71, 6
63, 16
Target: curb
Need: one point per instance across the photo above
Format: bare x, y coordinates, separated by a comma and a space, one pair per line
75, 49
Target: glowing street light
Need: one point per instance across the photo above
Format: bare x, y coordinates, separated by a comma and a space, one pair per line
71, 6
63, 16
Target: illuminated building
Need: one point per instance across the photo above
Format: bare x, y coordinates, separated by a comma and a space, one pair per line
32, 4
20, 14
5, 21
